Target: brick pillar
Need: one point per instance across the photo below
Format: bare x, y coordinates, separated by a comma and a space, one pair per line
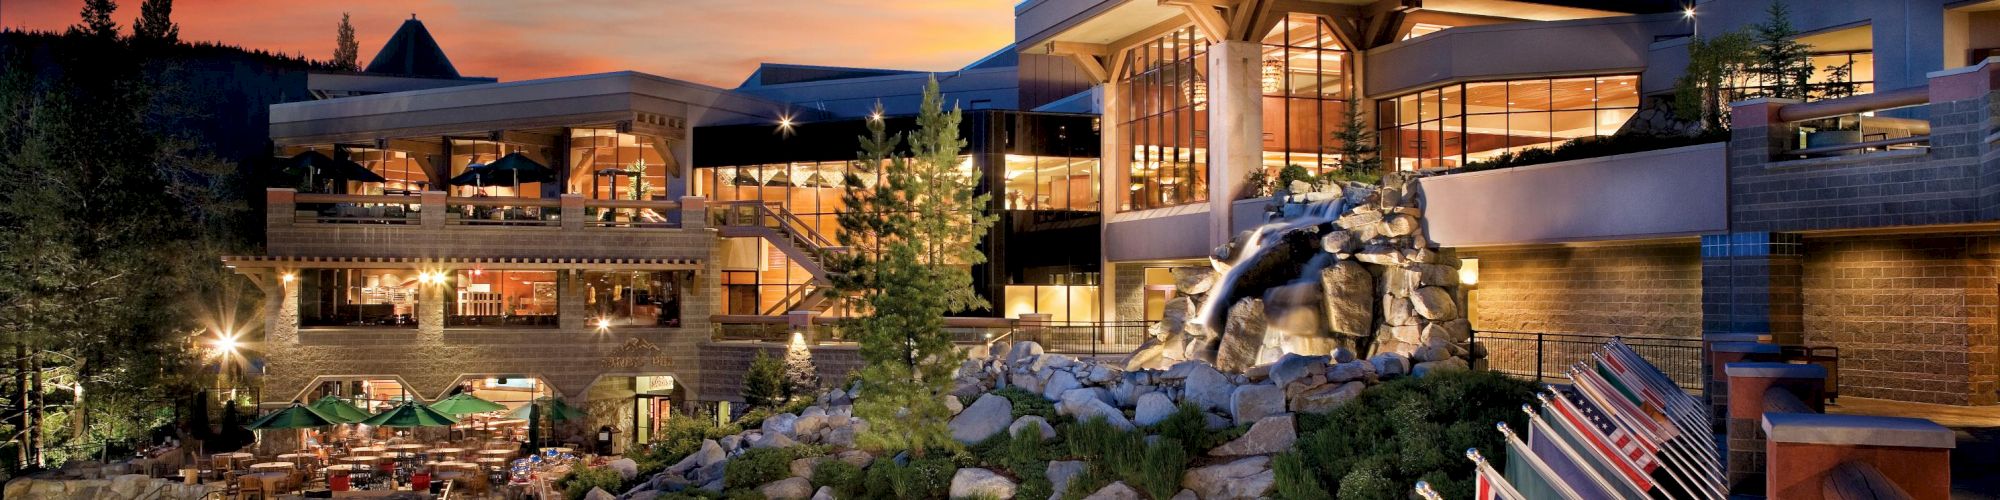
433, 214
282, 379
802, 322
570, 313
694, 212
430, 310
1717, 390
572, 211
1750, 289
1805, 449
1749, 383
279, 205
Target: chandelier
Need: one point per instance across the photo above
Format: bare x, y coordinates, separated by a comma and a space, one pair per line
1274, 75
1198, 93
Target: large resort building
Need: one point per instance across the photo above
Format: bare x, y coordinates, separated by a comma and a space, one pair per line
678, 227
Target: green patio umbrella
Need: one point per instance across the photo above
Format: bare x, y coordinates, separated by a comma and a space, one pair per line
556, 409
338, 410
297, 416
409, 414
465, 403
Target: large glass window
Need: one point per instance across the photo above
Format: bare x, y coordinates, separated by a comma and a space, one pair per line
466, 154
482, 297
1449, 126
633, 298
1304, 82
606, 165
1050, 183
403, 170
358, 297
1165, 107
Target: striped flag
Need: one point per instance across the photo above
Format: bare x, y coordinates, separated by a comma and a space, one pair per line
1489, 484
1607, 440
1564, 461
1529, 474
1619, 409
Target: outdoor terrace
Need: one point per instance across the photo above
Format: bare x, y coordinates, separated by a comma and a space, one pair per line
431, 225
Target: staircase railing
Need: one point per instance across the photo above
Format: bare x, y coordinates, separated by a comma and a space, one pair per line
797, 296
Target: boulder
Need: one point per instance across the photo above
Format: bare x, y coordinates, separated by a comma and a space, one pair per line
973, 482
1352, 370
1390, 364
1422, 274
1434, 303
1117, 490
626, 467
1341, 355
1061, 472
1339, 242
1325, 398
1059, 381
1204, 386
1397, 311
1085, 409
1348, 292
1193, 280
1023, 350
1151, 354
951, 404
1456, 331
774, 440
1243, 478
987, 416
594, 494
1242, 336
1153, 407
1251, 402
824, 493
1291, 367
711, 453
731, 443
1445, 365
781, 423
1073, 397
1036, 422
804, 467
791, 488
1294, 309
1269, 435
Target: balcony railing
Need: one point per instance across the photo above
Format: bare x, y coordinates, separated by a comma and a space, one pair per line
504, 211
434, 208
1855, 124
355, 209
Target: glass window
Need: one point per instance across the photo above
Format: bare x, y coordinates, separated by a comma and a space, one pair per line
1455, 124
1305, 81
606, 165
633, 298
466, 154
1165, 108
358, 297
404, 172
482, 297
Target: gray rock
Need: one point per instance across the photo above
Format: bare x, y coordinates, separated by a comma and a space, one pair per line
842, 437
1152, 408
1085, 409
1251, 402
1269, 435
804, 467
1115, 491
1294, 309
1292, 367
1397, 310
791, 488
594, 494
856, 458
1204, 386
987, 416
774, 440
951, 404
976, 482
1061, 472
1243, 478
1390, 364
1446, 365
1339, 242
1058, 383
824, 493
1186, 495
1193, 280
1456, 331
1022, 351
1352, 370
1434, 303
626, 467
1348, 292
1342, 355
1242, 336
1036, 422
1325, 398
781, 423
731, 442
711, 453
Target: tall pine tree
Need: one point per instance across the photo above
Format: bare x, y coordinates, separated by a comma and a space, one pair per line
96, 19
155, 23
346, 51
1782, 63
1357, 149
913, 223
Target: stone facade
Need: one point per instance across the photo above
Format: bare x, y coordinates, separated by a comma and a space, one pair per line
1649, 290
1914, 318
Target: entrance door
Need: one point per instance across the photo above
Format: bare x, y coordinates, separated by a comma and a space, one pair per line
650, 416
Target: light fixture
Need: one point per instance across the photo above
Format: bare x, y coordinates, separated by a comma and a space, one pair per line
225, 343
1198, 93
876, 116
1274, 75
603, 323
1688, 12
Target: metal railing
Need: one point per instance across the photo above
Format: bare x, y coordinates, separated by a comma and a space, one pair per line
1094, 338
355, 209
631, 213
1544, 356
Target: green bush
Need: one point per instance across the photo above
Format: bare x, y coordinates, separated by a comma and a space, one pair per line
1291, 173
1027, 403
764, 384
743, 494
1158, 472
843, 477
1593, 147
1294, 478
1189, 424
689, 494
757, 466
1403, 430
928, 477
580, 481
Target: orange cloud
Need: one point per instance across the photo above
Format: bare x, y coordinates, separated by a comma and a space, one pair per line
717, 42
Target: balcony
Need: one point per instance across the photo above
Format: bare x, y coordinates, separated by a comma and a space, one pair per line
1499, 51
432, 226
1650, 194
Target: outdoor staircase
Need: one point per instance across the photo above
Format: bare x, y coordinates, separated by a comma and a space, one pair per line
799, 242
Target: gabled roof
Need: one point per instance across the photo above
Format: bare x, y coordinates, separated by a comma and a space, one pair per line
412, 52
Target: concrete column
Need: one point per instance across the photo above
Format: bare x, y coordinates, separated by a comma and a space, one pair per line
1716, 388
1235, 127
281, 337
1750, 291
1751, 387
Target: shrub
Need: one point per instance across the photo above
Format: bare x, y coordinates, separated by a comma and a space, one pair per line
1294, 478
843, 477
580, 481
926, 478
1158, 472
1593, 147
756, 467
764, 384
1293, 172
1397, 432
1027, 403
1189, 424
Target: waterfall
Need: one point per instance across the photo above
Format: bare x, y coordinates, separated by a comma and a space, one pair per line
1254, 246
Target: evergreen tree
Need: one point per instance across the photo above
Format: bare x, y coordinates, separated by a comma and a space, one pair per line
1714, 63
96, 20
763, 385
914, 230
155, 23
801, 377
1357, 149
1782, 63
346, 51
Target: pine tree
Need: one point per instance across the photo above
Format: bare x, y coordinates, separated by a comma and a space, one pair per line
914, 231
96, 19
763, 385
1357, 149
1713, 64
155, 23
1782, 63
801, 377
346, 51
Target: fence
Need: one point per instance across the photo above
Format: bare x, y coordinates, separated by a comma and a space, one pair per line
1094, 338
1545, 356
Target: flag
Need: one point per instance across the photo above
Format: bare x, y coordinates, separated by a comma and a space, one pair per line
1649, 407
1609, 441
1620, 410
1488, 484
1567, 465
1578, 444
1533, 477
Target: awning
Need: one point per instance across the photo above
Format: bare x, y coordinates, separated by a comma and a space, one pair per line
243, 262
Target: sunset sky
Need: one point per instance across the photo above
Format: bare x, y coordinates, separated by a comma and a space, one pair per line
717, 42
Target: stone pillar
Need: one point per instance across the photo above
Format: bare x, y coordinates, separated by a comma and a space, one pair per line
1721, 354
281, 337
1750, 383
1805, 450
279, 206
694, 212
570, 313
572, 212
1235, 127
433, 214
1750, 291
801, 321
430, 310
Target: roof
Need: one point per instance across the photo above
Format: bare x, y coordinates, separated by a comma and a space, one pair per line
412, 52
780, 74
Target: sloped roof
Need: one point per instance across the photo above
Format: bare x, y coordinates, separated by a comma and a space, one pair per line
780, 74
412, 52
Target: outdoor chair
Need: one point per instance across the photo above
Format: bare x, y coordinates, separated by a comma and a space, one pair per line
249, 487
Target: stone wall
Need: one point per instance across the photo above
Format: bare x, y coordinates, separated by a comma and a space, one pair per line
1637, 290
1128, 292
1914, 317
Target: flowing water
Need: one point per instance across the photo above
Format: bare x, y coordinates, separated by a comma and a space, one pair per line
1254, 247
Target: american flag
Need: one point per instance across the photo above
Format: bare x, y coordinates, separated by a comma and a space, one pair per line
1609, 440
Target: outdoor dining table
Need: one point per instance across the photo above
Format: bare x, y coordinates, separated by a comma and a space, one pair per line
494, 462
449, 452
367, 450
443, 466
273, 481
273, 466
407, 447
497, 453
360, 459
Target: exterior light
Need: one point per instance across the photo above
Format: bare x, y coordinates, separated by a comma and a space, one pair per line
1468, 272
876, 116
225, 343
603, 323
288, 277
1688, 12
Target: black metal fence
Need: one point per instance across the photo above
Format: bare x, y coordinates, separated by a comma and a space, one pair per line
1093, 338
1545, 356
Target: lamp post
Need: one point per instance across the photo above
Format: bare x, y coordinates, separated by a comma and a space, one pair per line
1695, 24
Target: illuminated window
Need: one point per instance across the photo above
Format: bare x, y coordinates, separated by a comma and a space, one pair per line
633, 298
1164, 105
1449, 126
358, 297
1050, 183
607, 165
480, 297
1305, 94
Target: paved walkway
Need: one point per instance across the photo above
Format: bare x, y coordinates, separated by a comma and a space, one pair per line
1975, 464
